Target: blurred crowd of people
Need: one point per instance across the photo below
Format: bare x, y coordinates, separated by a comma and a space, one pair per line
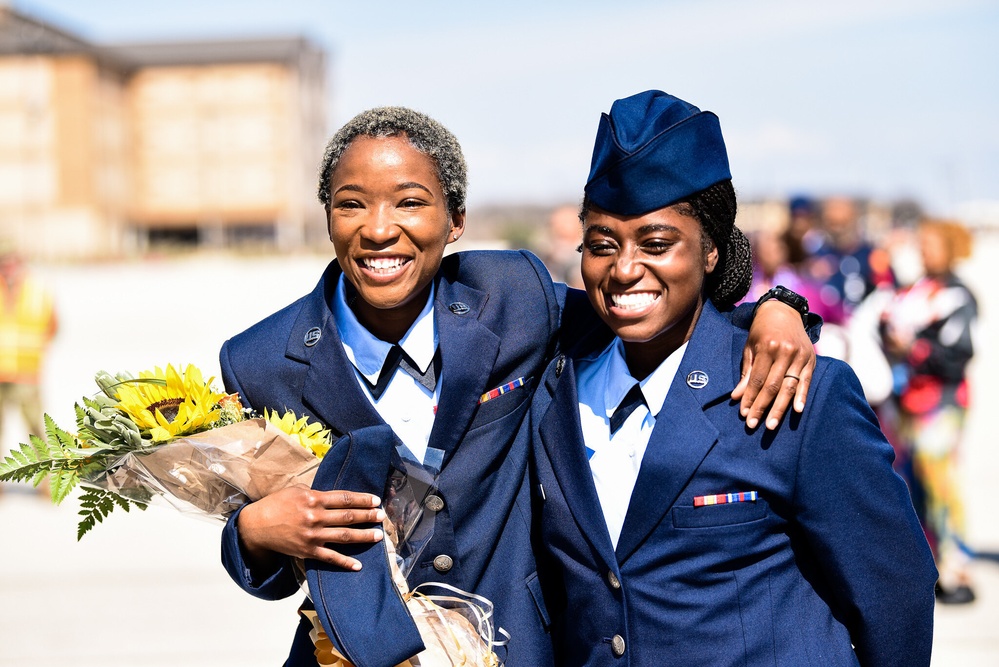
907, 334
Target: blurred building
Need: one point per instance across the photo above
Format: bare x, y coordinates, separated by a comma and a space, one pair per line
109, 149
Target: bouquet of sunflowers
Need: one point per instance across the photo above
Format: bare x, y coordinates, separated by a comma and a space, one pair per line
170, 434
167, 433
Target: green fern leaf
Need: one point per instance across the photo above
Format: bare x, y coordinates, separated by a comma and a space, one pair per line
62, 483
21, 465
39, 446
95, 505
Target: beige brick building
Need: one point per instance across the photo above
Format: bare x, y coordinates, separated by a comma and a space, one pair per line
111, 149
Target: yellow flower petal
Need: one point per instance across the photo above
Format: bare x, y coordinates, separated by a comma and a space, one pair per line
169, 403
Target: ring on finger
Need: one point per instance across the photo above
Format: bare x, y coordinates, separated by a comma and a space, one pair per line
793, 377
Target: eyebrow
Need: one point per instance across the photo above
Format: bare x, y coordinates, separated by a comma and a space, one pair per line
658, 227
644, 229
402, 186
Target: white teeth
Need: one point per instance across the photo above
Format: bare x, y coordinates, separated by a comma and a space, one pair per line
383, 264
634, 300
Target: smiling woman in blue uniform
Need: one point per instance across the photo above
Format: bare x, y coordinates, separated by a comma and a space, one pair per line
446, 351
668, 531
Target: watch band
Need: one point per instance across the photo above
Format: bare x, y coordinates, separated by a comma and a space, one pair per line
788, 297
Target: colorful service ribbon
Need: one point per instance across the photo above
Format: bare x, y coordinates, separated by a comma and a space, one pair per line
722, 498
502, 389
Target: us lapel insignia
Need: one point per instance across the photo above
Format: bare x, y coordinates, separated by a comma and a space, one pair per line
459, 308
697, 379
312, 336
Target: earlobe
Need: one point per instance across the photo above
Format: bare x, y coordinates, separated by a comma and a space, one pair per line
711, 261
457, 227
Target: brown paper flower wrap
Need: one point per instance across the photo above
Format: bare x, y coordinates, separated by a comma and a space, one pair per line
456, 626
215, 472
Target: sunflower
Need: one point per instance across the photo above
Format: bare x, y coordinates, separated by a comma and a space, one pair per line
168, 404
312, 436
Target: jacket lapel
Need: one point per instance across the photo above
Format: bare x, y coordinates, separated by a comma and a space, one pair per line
683, 435
468, 354
562, 437
330, 390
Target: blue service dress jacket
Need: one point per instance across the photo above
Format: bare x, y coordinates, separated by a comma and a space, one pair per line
829, 555
498, 315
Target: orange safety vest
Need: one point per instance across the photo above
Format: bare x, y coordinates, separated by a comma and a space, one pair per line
27, 324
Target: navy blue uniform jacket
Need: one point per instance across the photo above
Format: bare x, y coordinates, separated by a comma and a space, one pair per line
830, 555
497, 315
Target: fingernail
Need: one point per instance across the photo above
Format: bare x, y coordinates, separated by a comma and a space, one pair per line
799, 406
356, 566
771, 424
751, 422
380, 515
378, 534
376, 501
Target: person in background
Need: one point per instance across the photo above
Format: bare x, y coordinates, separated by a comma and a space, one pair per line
927, 330
562, 253
27, 326
668, 532
802, 235
845, 264
772, 267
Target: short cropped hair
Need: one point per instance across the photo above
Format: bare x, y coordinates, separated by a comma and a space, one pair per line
423, 133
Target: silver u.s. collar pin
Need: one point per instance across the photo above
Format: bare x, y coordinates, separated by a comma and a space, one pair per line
697, 379
459, 308
312, 336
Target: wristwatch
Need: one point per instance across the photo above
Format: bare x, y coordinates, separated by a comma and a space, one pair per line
789, 297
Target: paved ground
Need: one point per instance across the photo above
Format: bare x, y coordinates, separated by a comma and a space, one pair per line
149, 590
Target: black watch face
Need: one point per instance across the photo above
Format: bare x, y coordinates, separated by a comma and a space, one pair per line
791, 298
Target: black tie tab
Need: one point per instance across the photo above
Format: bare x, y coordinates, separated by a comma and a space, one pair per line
397, 358
631, 400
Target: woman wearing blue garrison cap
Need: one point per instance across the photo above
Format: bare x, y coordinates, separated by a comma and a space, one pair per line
471, 333
668, 532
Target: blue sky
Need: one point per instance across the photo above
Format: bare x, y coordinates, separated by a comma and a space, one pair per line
882, 98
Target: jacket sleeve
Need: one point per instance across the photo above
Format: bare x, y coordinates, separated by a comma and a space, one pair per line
273, 585
743, 314
856, 515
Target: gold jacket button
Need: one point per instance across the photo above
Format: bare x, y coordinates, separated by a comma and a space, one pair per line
443, 563
617, 646
612, 579
434, 503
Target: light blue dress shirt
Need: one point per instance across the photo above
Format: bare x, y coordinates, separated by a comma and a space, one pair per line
602, 381
406, 405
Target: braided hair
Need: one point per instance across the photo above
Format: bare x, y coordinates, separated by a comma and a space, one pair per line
715, 207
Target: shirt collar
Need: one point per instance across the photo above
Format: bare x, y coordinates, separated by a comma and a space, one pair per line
367, 352
617, 379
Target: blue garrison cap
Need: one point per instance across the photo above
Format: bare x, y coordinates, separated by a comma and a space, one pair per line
653, 150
